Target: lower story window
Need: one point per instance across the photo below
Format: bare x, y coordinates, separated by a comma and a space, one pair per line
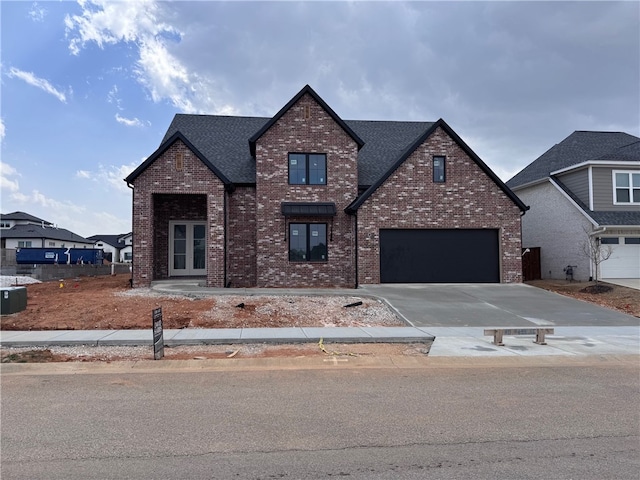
307, 242
23, 244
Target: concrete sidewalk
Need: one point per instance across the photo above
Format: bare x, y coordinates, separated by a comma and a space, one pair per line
443, 341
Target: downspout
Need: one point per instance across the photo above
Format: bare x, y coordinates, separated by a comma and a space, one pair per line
355, 221
131, 268
226, 251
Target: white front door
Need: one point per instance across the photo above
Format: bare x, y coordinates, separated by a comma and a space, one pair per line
187, 248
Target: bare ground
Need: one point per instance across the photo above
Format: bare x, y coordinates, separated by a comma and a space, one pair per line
622, 299
107, 302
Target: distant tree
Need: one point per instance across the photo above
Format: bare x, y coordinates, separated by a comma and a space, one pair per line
593, 249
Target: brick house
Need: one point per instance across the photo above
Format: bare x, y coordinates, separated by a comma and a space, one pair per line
306, 199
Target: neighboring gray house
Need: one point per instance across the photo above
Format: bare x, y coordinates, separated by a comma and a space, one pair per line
589, 181
22, 230
116, 248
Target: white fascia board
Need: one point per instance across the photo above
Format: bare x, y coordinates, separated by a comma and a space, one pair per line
597, 163
530, 184
590, 175
572, 202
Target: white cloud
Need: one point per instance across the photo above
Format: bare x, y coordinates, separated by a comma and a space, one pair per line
39, 199
37, 13
40, 83
115, 175
6, 183
161, 73
2, 130
112, 97
129, 122
112, 176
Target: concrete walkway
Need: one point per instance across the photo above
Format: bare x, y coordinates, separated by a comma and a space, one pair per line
443, 341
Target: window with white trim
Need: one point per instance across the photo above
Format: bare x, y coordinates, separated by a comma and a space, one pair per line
24, 244
626, 187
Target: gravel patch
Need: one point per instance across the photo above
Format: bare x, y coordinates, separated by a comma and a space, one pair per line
16, 280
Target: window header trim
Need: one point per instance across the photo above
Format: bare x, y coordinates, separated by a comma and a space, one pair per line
308, 209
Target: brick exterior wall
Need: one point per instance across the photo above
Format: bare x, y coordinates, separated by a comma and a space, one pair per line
294, 133
410, 199
241, 237
176, 186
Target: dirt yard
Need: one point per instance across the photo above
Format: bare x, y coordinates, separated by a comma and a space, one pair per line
107, 302
622, 299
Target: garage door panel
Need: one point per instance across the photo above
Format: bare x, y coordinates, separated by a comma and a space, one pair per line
624, 262
439, 256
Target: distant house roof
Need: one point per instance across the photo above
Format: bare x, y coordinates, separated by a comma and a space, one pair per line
22, 216
36, 231
113, 240
579, 147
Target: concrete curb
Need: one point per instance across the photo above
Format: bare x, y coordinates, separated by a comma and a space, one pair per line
211, 336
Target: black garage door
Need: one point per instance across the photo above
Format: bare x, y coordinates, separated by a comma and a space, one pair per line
439, 256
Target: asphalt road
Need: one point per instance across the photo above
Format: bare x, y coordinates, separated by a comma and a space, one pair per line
496, 305
557, 421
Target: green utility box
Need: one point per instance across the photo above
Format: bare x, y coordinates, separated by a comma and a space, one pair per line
13, 300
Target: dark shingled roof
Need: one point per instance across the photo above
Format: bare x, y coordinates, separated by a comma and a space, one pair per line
578, 147
628, 153
226, 145
223, 140
108, 239
21, 216
36, 231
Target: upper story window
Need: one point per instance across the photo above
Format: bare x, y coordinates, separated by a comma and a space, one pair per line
439, 174
307, 169
5, 225
626, 187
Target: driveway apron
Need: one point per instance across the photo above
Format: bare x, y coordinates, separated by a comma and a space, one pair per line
496, 305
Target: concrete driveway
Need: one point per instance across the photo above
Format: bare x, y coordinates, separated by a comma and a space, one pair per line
495, 305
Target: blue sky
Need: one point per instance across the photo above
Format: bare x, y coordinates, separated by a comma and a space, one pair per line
89, 88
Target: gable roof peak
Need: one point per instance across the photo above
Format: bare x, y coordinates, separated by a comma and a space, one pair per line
306, 90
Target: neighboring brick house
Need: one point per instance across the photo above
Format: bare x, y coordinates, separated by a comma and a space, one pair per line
588, 184
305, 199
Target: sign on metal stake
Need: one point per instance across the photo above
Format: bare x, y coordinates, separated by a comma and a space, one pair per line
158, 339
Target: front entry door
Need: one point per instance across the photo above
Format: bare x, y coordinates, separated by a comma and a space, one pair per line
187, 249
